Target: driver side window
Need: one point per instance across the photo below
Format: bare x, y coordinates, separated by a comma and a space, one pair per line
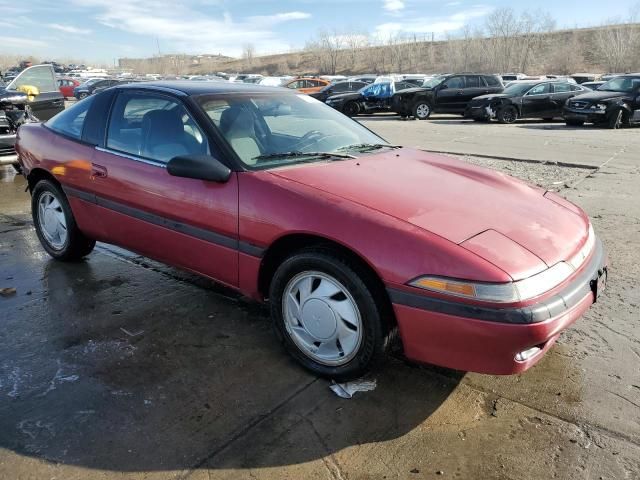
539, 89
153, 127
455, 82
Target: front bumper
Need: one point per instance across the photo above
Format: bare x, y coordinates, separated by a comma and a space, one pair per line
8, 154
481, 112
583, 115
487, 340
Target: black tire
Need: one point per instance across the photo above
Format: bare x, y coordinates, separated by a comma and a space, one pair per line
616, 119
77, 245
422, 110
508, 114
375, 314
351, 109
574, 123
17, 167
83, 95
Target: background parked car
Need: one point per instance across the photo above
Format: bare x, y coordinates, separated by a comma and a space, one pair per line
307, 85
593, 85
67, 86
32, 95
337, 88
89, 88
444, 94
614, 104
524, 100
585, 77
373, 98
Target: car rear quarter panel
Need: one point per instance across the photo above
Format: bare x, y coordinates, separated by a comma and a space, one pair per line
272, 207
69, 162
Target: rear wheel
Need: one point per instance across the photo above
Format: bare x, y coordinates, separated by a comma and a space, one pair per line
421, 110
55, 225
508, 114
351, 109
326, 314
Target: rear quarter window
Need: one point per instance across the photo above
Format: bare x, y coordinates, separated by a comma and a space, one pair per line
70, 122
493, 81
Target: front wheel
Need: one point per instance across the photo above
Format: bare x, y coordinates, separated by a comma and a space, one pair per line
508, 114
55, 225
351, 109
422, 110
616, 119
326, 315
83, 95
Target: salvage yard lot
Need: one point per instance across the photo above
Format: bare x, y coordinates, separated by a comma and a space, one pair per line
119, 367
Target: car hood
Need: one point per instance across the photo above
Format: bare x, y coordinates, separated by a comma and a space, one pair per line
597, 95
413, 90
509, 223
489, 96
345, 96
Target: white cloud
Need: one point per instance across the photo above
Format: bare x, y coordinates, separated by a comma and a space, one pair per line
22, 43
393, 5
69, 29
192, 29
435, 25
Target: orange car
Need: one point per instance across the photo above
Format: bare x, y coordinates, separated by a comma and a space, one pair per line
307, 85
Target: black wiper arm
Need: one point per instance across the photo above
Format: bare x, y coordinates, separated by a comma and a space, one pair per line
296, 154
368, 146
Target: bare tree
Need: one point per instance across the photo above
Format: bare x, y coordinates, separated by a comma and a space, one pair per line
248, 53
331, 45
616, 45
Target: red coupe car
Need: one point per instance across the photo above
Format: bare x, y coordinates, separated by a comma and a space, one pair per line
67, 85
349, 239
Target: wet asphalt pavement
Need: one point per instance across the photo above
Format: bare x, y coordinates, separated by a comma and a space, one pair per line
120, 367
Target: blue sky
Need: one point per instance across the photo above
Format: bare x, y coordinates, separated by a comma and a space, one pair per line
102, 30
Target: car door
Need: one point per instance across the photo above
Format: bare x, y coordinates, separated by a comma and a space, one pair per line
448, 96
49, 100
185, 222
635, 101
561, 92
474, 87
537, 102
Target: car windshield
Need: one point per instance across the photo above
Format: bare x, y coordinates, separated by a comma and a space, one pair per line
621, 84
274, 129
432, 82
518, 88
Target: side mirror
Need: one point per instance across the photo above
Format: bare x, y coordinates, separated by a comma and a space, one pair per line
444, 86
201, 167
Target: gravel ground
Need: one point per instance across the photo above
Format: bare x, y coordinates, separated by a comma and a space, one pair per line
545, 175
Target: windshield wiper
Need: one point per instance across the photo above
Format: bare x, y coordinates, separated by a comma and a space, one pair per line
297, 154
368, 146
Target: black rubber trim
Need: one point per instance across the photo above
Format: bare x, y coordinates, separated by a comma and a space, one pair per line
190, 230
539, 312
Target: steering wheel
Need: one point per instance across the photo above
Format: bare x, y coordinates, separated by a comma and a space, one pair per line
310, 138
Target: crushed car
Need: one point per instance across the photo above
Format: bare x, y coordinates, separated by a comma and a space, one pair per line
31, 96
524, 99
613, 105
374, 98
444, 94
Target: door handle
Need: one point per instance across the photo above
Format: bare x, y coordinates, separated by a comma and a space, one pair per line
459, 92
98, 171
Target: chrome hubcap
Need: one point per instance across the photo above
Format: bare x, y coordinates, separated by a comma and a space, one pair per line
423, 110
322, 318
51, 220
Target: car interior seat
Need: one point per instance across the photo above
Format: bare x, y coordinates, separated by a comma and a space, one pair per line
164, 137
237, 126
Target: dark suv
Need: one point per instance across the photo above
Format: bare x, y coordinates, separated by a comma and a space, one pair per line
444, 94
614, 104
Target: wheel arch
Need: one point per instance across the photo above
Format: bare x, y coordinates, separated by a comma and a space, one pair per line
290, 243
37, 174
